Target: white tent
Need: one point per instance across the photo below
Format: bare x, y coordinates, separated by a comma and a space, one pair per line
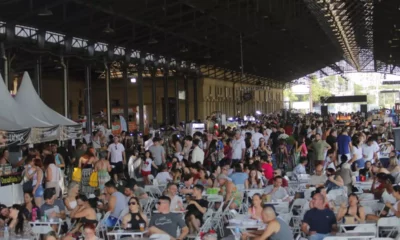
29, 101
11, 112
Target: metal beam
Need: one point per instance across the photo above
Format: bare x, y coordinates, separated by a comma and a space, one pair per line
154, 96
140, 98
88, 98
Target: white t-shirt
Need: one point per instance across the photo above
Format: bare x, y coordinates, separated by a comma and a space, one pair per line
116, 151
237, 146
163, 177
175, 203
147, 165
368, 152
269, 131
256, 139
384, 150
358, 151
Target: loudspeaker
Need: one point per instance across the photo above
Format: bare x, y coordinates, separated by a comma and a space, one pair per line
324, 110
364, 108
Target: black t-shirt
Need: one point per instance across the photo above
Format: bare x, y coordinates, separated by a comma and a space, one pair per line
331, 140
320, 221
192, 209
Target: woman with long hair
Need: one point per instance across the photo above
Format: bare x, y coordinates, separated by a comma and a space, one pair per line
253, 182
85, 213
29, 206
148, 163
35, 173
17, 225
256, 207
5, 154
204, 180
53, 175
300, 148
135, 217
352, 212
103, 169
86, 163
70, 201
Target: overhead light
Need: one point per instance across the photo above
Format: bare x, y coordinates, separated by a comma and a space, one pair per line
207, 56
133, 80
108, 29
258, 112
152, 41
45, 12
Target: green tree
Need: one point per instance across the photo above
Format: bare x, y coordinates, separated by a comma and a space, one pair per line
318, 91
371, 99
358, 89
289, 94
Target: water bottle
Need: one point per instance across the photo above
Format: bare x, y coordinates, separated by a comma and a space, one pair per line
237, 233
45, 217
6, 233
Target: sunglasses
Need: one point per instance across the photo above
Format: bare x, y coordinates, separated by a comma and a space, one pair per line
132, 203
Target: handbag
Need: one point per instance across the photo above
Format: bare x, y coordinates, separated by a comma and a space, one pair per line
27, 186
94, 180
77, 175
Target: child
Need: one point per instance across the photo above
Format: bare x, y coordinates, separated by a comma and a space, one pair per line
146, 167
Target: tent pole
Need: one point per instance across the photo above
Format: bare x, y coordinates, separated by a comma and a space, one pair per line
186, 84
108, 86
64, 64
140, 98
166, 102
38, 76
154, 96
88, 92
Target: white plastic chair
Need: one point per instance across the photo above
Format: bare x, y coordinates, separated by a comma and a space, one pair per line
121, 215
386, 226
40, 229
102, 225
204, 228
286, 217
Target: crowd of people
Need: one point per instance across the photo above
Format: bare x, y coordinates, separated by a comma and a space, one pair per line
269, 154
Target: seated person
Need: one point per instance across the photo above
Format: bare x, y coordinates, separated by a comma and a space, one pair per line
52, 207
334, 181
163, 176
277, 192
238, 177
84, 213
4, 215
390, 209
18, 225
319, 221
139, 192
301, 167
366, 171
197, 206
187, 187
204, 179
176, 201
253, 182
256, 207
135, 217
165, 222
353, 213
30, 205
278, 172
322, 191
276, 229
381, 182
319, 178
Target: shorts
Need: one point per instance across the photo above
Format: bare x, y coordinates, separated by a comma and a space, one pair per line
145, 173
39, 191
118, 168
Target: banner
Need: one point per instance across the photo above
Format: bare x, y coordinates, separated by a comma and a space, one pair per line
18, 137
10, 179
48, 134
71, 132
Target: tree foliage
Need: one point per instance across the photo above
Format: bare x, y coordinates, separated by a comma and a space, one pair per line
289, 94
318, 91
358, 89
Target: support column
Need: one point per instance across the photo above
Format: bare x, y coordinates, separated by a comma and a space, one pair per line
186, 84
64, 64
5, 64
166, 102
108, 93
88, 96
38, 76
125, 95
140, 98
176, 88
195, 99
154, 96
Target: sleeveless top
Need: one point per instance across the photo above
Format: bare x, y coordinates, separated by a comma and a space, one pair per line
57, 159
135, 222
55, 176
358, 211
284, 231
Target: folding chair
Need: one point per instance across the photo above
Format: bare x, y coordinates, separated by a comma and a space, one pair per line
286, 217
387, 226
101, 229
39, 230
205, 228
121, 215
217, 219
282, 207
153, 191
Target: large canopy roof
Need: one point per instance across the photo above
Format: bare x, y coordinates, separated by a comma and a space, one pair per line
278, 39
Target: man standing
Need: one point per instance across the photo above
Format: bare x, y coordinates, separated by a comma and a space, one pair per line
167, 223
370, 151
197, 153
344, 144
319, 222
158, 153
118, 159
238, 148
320, 147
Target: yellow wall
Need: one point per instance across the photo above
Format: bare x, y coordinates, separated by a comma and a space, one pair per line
213, 95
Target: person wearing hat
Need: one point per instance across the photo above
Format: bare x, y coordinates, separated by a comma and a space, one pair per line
228, 190
52, 208
277, 228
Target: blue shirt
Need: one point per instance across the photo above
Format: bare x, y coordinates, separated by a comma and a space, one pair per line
320, 221
239, 177
343, 144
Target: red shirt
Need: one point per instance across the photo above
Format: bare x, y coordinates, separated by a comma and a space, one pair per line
268, 171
